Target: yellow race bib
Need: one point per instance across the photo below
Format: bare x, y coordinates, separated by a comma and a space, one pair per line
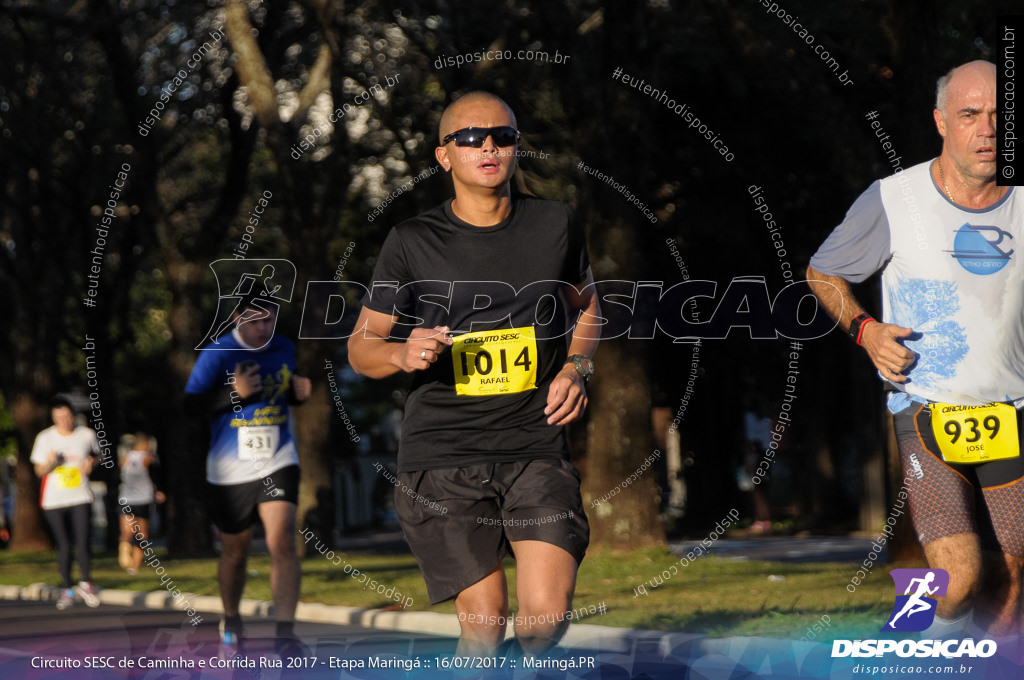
975, 434
68, 476
495, 362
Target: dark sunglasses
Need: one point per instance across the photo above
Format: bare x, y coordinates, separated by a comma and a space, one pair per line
475, 137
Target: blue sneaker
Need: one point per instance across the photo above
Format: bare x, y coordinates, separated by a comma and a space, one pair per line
230, 641
66, 599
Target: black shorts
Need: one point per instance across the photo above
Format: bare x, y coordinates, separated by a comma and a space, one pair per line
946, 499
233, 507
460, 522
140, 511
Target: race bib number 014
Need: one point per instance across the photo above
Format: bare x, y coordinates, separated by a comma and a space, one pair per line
495, 362
258, 443
975, 434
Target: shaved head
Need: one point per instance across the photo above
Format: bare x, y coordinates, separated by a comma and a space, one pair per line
451, 114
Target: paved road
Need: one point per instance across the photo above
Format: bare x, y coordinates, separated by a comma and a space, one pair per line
38, 642
787, 549
159, 645
34, 634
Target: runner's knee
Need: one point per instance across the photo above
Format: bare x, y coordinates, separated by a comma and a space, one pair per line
282, 547
485, 623
236, 548
543, 617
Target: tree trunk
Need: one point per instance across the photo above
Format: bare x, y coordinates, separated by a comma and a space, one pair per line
621, 439
312, 425
29, 529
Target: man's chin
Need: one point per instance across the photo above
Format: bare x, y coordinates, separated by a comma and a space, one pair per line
984, 171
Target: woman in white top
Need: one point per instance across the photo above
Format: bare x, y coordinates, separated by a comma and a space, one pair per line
63, 457
137, 495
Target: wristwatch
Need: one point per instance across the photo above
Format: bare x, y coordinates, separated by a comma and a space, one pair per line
857, 325
584, 366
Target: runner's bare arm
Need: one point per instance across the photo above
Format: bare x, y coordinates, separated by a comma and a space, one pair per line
43, 469
880, 340
370, 353
567, 395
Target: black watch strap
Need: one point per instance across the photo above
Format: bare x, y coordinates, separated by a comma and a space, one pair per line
857, 325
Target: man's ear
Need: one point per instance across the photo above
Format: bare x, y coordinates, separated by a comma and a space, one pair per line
940, 122
441, 154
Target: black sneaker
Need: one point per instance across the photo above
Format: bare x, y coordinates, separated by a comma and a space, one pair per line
230, 642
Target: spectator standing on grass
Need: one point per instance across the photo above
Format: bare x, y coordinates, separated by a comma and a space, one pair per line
493, 386
5, 533
63, 456
245, 382
138, 491
756, 436
950, 348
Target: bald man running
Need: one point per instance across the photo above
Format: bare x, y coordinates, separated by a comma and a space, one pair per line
950, 348
483, 460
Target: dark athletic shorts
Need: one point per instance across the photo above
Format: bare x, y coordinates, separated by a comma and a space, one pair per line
233, 507
140, 511
950, 498
460, 522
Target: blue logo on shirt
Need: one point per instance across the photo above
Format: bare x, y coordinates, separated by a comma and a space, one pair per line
979, 253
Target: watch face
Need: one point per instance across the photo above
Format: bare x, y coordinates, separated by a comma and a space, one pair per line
585, 365
855, 325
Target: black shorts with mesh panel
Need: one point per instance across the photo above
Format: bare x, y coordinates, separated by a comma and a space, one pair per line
946, 499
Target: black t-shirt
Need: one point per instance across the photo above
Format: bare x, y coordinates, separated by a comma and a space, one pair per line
484, 399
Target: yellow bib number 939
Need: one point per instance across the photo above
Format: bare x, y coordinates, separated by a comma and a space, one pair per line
975, 434
495, 362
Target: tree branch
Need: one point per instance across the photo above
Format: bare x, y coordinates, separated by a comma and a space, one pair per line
251, 67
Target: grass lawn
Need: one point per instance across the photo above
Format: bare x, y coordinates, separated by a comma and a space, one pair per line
711, 596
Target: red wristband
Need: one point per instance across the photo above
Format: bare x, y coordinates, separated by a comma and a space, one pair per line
863, 323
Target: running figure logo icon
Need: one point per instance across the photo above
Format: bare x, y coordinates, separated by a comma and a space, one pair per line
257, 289
914, 610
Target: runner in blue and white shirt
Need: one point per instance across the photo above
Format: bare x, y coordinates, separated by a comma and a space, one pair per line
950, 347
246, 382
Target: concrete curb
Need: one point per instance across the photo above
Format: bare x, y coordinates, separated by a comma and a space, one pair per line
426, 623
